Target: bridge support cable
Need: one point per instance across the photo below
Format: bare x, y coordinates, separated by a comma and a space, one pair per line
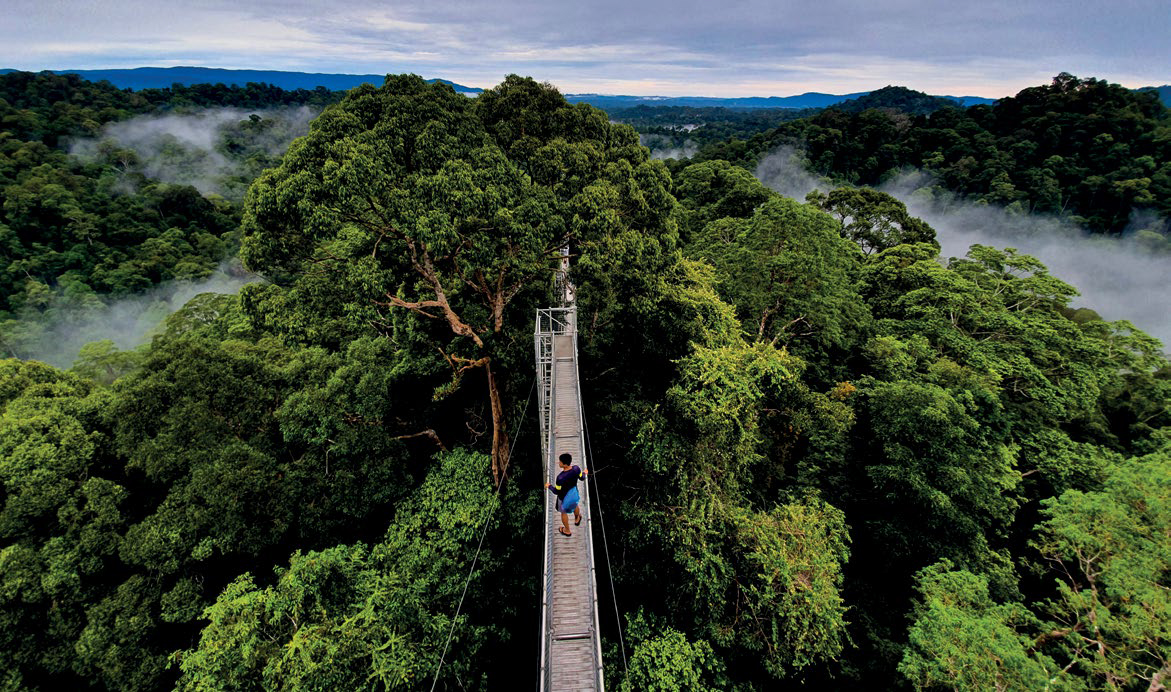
570, 639
605, 546
483, 532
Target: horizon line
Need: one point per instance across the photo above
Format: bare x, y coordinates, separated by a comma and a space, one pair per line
467, 86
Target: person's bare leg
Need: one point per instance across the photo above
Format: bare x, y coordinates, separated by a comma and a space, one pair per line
565, 523
577, 515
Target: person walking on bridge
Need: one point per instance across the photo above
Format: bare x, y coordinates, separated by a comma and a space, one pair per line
566, 491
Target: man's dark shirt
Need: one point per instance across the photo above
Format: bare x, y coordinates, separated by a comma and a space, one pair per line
565, 481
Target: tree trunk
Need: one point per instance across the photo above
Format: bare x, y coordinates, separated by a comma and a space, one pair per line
499, 431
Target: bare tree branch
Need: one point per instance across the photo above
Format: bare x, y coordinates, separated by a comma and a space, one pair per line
424, 433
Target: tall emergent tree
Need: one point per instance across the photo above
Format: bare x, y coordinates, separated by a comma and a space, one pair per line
414, 212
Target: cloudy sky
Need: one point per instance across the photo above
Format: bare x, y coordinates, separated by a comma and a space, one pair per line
648, 47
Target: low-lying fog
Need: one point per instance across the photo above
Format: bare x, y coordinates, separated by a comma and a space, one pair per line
1116, 277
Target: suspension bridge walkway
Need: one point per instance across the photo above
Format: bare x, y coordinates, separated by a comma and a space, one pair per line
571, 645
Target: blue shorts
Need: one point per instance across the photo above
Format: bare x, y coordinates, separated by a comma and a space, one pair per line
569, 502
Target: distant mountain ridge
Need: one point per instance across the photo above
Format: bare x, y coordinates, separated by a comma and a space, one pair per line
163, 77
812, 99
1164, 93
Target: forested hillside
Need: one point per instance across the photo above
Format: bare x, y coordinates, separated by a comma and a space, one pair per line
831, 459
79, 231
1082, 149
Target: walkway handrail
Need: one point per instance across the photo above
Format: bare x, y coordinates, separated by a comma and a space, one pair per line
552, 323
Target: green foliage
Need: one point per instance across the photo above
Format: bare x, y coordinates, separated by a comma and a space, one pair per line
643, 116
872, 219
77, 233
764, 579
285, 490
1083, 149
897, 99
352, 617
963, 640
48, 107
117, 647
1105, 625
794, 613
65, 224
768, 583
61, 517
666, 661
251, 443
415, 213
714, 190
1110, 551
717, 401
48, 449
101, 361
939, 452
999, 313
789, 275
133, 505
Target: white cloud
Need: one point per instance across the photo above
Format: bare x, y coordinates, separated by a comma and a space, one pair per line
384, 22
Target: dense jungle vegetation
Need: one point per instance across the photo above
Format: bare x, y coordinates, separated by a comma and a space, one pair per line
79, 231
1084, 149
831, 460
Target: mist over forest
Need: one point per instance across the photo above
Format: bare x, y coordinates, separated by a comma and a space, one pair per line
126, 322
215, 150
1119, 277
879, 392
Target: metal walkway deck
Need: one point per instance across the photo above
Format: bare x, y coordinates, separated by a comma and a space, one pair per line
571, 647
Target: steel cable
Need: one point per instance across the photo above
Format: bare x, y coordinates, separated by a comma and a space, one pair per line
483, 533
